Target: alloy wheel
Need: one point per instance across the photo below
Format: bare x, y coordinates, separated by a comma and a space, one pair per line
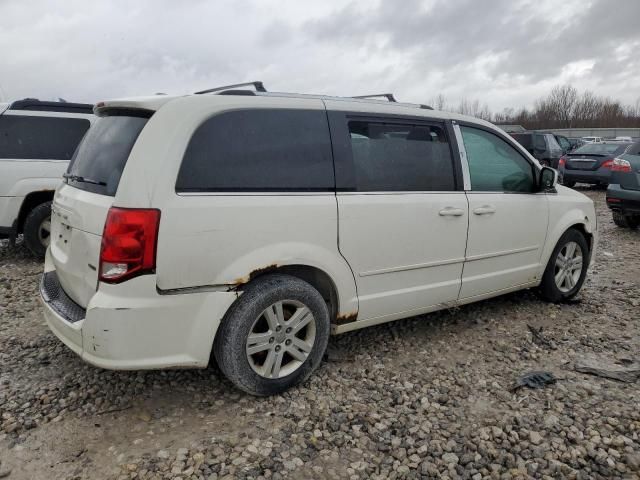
568, 267
281, 339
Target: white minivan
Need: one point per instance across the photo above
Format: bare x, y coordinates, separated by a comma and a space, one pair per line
249, 226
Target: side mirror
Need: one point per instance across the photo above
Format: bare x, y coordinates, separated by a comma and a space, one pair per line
548, 179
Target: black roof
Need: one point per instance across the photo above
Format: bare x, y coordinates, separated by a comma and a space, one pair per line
44, 106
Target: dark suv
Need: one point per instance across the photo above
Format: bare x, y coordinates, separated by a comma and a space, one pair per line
623, 194
543, 146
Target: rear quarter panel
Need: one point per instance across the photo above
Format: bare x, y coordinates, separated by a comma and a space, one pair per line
218, 240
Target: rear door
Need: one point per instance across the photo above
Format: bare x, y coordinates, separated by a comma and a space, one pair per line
81, 204
402, 216
507, 220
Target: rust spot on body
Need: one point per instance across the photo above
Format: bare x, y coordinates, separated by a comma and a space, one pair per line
254, 274
344, 318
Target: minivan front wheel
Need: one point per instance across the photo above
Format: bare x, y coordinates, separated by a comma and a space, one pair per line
37, 229
274, 336
567, 268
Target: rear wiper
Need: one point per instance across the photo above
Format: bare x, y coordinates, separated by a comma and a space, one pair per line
81, 179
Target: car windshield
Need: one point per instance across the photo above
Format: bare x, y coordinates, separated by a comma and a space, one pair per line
598, 149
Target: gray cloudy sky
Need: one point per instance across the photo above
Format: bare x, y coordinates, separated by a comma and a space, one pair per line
502, 52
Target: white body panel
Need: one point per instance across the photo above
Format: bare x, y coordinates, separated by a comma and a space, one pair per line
388, 255
393, 243
77, 221
506, 237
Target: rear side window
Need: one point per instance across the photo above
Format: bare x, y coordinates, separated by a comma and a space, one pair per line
393, 157
259, 150
524, 139
40, 138
102, 155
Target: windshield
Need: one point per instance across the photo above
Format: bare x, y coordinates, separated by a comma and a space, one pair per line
599, 149
100, 159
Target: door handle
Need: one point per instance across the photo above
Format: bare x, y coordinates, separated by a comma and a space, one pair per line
485, 210
451, 212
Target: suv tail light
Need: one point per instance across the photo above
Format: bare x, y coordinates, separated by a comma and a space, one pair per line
562, 161
620, 165
129, 243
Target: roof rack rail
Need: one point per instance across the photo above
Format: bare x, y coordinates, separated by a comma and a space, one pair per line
388, 96
259, 86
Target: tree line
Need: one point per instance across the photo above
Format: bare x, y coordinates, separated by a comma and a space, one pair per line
563, 107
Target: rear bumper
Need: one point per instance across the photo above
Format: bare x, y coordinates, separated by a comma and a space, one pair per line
624, 201
586, 176
131, 326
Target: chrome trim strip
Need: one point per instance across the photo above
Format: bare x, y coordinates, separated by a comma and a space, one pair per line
501, 254
411, 267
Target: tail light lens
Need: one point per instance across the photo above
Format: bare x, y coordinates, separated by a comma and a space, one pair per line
562, 161
129, 244
608, 163
620, 165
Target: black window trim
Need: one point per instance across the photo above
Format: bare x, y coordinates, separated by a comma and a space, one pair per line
516, 146
251, 191
343, 156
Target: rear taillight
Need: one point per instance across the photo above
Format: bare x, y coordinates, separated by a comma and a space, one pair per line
608, 163
562, 162
620, 165
129, 243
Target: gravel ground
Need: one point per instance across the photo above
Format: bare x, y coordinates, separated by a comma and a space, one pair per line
427, 397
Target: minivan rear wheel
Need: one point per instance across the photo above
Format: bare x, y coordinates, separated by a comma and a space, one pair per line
37, 229
274, 336
567, 268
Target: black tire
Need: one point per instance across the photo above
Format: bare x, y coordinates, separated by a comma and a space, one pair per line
34, 237
229, 346
569, 184
549, 290
625, 221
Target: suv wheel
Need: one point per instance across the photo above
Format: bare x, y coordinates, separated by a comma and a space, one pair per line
567, 268
274, 336
37, 229
625, 221
569, 184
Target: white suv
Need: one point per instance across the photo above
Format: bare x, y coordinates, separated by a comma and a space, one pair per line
252, 225
37, 140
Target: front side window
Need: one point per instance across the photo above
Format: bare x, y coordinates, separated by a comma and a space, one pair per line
494, 165
394, 157
40, 138
259, 150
